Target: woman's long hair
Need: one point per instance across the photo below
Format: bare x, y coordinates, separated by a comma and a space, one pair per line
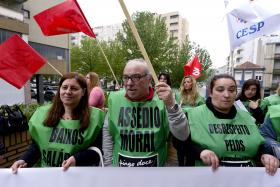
93, 81
242, 97
189, 96
81, 112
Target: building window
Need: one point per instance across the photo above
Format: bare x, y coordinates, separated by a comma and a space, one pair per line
238, 75
174, 24
277, 48
276, 64
51, 52
276, 79
259, 78
5, 34
26, 14
174, 16
174, 31
238, 60
248, 75
259, 75
238, 51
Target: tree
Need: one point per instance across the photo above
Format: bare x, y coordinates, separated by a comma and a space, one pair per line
164, 52
204, 58
84, 58
177, 67
154, 35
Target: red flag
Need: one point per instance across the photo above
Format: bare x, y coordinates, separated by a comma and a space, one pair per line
193, 68
66, 17
18, 61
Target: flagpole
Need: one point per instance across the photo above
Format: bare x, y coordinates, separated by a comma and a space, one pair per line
108, 63
231, 62
138, 40
55, 69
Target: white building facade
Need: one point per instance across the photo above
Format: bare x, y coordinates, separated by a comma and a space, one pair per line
263, 51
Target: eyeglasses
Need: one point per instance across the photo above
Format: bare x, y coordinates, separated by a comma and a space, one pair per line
133, 78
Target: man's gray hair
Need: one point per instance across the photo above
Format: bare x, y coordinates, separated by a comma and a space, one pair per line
140, 61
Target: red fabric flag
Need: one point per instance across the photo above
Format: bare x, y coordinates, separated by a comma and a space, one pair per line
66, 17
193, 68
18, 61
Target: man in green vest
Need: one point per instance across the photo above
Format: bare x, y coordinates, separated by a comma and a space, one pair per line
271, 100
270, 130
138, 121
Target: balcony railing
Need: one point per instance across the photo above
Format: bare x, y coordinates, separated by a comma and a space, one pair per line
276, 71
9, 2
277, 55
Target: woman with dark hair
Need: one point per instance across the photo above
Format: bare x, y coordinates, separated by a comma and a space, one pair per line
164, 77
250, 96
223, 135
63, 131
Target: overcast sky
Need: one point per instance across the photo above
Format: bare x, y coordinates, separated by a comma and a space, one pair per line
207, 25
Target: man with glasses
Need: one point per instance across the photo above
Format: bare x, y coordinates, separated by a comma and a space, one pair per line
138, 121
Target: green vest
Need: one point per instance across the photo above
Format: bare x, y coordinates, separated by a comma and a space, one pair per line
231, 139
271, 100
139, 131
199, 101
274, 114
59, 143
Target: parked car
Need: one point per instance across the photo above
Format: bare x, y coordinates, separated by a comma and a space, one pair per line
33, 93
49, 94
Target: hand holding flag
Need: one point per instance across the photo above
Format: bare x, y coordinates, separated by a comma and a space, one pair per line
18, 61
193, 68
64, 18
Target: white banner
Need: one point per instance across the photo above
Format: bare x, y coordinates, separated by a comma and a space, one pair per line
139, 177
247, 21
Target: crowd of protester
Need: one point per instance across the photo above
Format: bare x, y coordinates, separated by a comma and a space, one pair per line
226, 129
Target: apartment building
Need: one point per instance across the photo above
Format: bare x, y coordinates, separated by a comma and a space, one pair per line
263, 51
246, 71
105, 33
178, 27
11, 22
16, 17
54, 48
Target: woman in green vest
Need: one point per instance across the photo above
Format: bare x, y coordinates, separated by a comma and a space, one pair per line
187, 98
271, 130
222, 135
271, 100
63, 131
250, 96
